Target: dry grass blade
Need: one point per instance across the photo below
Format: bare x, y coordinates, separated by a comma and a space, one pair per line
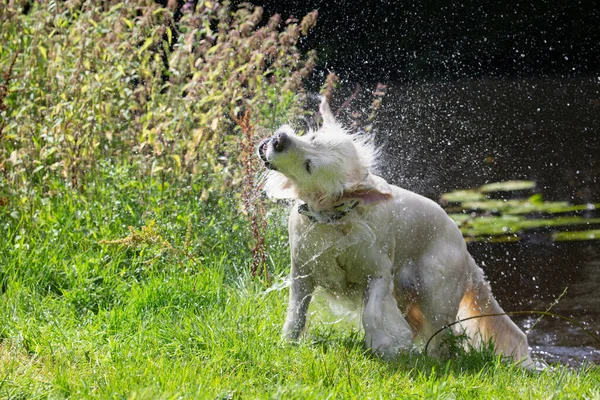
254, 209
148, 235
6, 76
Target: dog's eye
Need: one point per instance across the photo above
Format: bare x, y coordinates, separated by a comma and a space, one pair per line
308, 166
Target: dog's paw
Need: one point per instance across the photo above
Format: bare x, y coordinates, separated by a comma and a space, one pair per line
382, 345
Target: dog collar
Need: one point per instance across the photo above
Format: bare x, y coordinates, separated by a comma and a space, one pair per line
328, 216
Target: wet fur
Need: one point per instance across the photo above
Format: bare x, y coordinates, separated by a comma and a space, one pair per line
397, 252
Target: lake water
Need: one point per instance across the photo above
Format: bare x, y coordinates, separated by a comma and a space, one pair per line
437, 137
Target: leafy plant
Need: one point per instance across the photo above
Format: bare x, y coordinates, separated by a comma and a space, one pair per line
481, 217
128, 82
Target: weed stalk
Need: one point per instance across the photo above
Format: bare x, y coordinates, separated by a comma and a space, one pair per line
253, 206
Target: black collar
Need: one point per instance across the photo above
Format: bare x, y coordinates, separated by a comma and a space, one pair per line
328, 216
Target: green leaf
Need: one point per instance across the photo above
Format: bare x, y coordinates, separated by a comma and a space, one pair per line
458, 196
526, 207
593, 234
507, 186
128, 22
507, 224
42, 50
177, 160
460, 218
536, 199
145, 46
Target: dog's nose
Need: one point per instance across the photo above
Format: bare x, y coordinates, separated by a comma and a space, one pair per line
280, 141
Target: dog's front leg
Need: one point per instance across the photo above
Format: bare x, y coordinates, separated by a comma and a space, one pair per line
301, 289
386, 330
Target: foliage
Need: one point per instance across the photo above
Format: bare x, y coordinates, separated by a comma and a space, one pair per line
481, 216
127, 82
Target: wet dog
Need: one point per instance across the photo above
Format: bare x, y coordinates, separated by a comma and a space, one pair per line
359, 237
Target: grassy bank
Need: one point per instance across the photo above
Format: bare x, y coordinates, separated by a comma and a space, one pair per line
141, 320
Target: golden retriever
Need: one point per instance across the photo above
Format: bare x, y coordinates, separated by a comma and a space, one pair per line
359, 237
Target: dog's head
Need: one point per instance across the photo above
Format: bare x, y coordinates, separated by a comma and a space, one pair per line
322, 167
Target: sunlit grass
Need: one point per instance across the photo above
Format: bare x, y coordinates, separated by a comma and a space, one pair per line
80, 319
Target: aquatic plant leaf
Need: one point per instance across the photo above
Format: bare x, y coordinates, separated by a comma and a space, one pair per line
504, 239
460, 218
527, 206
458, 196
552, 207
536, 199
510, 224
593, 234
494, 239
493, 205
507, 186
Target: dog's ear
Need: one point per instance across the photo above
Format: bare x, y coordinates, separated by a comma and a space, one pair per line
369, 192
325, 111
367, 197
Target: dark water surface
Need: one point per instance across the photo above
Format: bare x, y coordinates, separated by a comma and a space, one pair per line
531, 275
437, 137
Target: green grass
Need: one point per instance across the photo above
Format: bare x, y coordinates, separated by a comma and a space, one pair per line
84, 320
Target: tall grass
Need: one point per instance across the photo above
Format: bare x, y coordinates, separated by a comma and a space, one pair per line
87, 81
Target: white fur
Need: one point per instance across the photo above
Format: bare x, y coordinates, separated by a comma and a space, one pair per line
397, 251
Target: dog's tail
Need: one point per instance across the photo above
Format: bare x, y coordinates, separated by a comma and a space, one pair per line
478, 300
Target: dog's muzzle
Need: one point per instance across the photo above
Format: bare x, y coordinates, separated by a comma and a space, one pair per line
278, 142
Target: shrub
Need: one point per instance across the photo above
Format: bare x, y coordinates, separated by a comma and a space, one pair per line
85, 81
